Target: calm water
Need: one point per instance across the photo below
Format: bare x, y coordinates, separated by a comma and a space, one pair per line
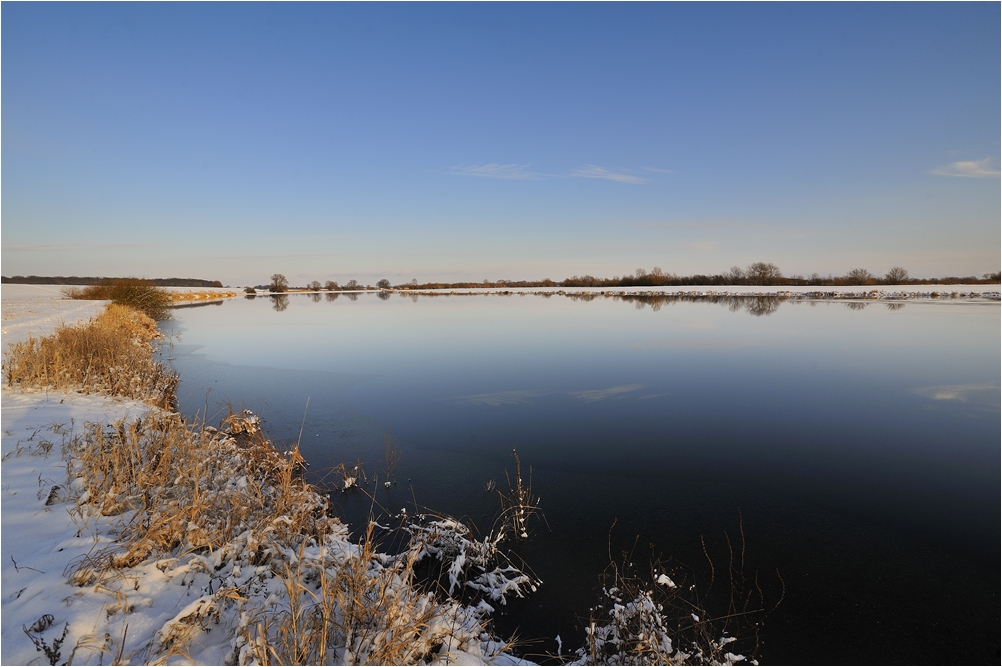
861, 445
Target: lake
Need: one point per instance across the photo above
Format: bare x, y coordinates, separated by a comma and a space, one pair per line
858, 442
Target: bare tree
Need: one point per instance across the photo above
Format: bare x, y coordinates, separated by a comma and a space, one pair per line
383, 284
279, 283
315, 286
330, 286
859, 277
763, 273
896, 276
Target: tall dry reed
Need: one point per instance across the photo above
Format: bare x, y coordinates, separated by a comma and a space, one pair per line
111, 354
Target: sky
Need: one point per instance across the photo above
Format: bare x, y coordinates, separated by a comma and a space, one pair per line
449, 141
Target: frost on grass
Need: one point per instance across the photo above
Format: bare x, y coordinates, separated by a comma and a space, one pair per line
207, 545
478, 564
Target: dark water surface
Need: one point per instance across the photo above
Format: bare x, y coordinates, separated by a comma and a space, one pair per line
860, 445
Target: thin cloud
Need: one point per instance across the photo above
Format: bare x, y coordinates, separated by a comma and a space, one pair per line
952, 392
59, 247
593, 171
968, 169
514, 397
707, 224
514, 172
593, 395
660, 171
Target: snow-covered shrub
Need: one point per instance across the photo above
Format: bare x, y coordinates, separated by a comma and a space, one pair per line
652, 620
475, 564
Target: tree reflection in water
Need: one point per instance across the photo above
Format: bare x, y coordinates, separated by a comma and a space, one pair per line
279, 302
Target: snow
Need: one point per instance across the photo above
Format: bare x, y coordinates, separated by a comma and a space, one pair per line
665, 580
39, 309
42, 539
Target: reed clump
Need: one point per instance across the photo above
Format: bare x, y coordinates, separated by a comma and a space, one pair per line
111, 354
142, 295
222, 508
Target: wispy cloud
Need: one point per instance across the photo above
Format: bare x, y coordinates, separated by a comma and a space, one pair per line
702, 344
514, 397
516, 172
660, 171
968, 169
592, 395
59, 247
952, 392
710, 224
593, 171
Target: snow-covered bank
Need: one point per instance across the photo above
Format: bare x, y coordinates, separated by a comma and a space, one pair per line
74, 589
42, 539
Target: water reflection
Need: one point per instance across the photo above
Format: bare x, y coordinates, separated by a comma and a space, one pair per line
316, 297
332, 296
895, 306
385, 296
753, 305
856, 305
198, 304
279, 302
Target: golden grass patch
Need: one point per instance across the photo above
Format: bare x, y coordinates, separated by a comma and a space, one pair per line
111, 354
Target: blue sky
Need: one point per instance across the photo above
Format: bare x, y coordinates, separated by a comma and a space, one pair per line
469, 141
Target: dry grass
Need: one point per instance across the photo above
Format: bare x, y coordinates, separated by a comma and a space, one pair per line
358, 607
111, 354
189, 489
519, 505
143, 295
212, 501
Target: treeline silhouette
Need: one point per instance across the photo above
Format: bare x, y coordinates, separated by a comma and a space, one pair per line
759, 273
87, 280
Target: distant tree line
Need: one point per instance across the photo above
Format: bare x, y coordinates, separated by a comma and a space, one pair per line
758, 273
76, 280
279, 283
